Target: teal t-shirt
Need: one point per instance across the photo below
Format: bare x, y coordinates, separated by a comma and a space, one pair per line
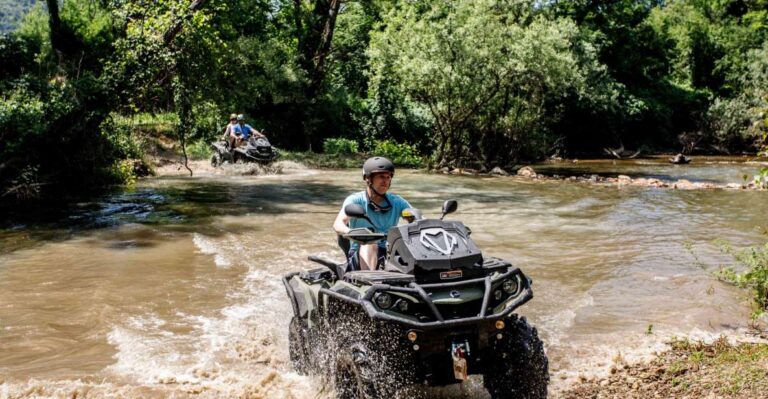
382, 221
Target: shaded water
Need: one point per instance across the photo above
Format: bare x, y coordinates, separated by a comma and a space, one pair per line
173, 289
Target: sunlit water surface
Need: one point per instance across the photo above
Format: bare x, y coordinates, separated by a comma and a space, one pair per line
172, 289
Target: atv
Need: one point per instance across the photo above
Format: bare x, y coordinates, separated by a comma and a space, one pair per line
255, 149
437, 312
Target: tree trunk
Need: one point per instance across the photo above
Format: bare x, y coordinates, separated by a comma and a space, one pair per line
62, 39
184, 110
324, 46
54, 24
314, 34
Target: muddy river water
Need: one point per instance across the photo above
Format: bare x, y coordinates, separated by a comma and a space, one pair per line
172, 288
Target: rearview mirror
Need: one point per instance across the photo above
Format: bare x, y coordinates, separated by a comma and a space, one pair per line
354, 211
449, 206
357, 211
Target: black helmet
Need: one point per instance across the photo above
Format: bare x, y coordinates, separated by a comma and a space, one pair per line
377, 165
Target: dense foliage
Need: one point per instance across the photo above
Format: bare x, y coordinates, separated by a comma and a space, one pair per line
339, 146
450, 83
12, 12
489, 74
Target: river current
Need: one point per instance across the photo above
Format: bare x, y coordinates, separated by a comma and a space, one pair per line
172, 288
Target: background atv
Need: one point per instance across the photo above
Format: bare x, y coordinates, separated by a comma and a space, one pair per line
256, 149
438, 312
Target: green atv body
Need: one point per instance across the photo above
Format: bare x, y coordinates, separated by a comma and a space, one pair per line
437, 312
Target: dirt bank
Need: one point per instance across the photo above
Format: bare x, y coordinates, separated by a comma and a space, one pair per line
720, 369
164, 166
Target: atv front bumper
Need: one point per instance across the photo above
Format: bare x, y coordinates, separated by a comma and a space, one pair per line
486, 312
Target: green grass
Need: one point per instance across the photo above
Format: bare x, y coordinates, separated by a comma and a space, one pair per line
689, 369
332, 161
164, 123
736, 368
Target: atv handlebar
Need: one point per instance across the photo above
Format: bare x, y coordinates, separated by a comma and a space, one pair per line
364, 235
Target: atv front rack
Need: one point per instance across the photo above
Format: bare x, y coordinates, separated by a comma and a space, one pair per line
523, 295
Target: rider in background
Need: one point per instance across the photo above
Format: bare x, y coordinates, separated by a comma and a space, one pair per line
244, 130
229, 134
384, 210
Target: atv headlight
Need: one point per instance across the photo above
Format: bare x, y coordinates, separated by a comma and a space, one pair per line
510, 286
383, 300
497, 295
402, 305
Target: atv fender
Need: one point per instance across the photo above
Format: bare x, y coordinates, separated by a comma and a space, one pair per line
291, 292
302, 288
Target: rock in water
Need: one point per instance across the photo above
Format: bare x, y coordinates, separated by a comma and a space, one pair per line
526, 171
497, 171
679, 159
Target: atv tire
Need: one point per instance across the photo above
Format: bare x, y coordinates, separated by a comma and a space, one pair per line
362, 372
521, 368
297, 346
355, 375
216, 160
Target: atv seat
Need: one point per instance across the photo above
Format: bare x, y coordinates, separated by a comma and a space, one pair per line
337, 269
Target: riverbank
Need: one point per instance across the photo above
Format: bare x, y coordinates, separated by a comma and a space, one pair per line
689, 369
562, 171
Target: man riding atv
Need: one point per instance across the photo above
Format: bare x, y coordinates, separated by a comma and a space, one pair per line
244, 130
385, 208
437, 311
242, 143
238, 132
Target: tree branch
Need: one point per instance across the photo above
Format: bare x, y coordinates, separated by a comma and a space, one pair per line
175, 29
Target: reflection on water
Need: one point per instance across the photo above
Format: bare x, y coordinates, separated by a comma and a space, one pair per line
173, 289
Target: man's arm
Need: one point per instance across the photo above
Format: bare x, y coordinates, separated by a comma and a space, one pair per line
254, 132
341, 224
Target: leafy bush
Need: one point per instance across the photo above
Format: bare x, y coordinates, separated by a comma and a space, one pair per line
399, 153
120, 134
761, 179
742, 119
317, 160
207, 122
122, 172
199, 149
22, 114
728, 121
753, 277
339, 146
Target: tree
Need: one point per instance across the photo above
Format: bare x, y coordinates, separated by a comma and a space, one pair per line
169, 45
485, 71
709, 43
